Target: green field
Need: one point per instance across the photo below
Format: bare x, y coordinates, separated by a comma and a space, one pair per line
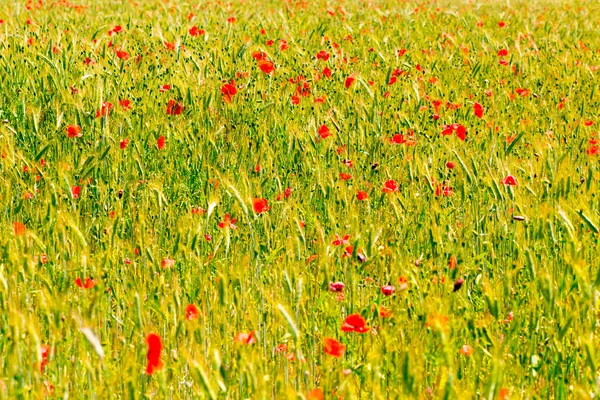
302, 199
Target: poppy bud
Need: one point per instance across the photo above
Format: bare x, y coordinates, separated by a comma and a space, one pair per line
120, 193
458, 284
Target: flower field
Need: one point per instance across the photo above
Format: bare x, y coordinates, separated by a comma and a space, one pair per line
268, 199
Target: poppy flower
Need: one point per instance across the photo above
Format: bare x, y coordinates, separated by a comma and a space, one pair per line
458, 284
266, 66
126, 104
466, 350
327, 72
295, 99
522, 92
167, 263
227, 222
324, 131
450, 165
336, 287
123, 144
384, 312
388, 290
355, 323
105, 110
593, 150
74, 131
390, 186
44, 354
362, 195
160, 143
259, 55
333, 347
398, 139
245, 338
283, 45
453, 262
509, 180
231, 20
260, 205
588, 123
154, 349
339, 241
502, 53
164, 88
122, 55
228, 90
191, 312
75, 191
349, 81
345, 177
478, 110
460, 130
19, 228
195, 31
315, 394
174, 108
89, 283
501, 24
323, 55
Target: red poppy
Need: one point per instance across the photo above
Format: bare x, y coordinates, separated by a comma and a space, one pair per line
450, 165
228, 91
167, 263
384, 312
452, 263
327, 72
502, 53
336, 287
390, 186
266, 66
44, 354
388, 290
283, 45
315, 394
105, 110
164, 88
593, 150
509, 180
227, 222
355, 323
259, 55
191, 312
154, 349
174, 108
460, 130
501, 24
245, 338
231, 20
324, 131
75, 191
323, 55
333, 347
194, 31
122, 55
89, 283
339, 241
522, 92
478, 110
345, 177
349, 81
588, 123
398, 139
19, 228
362, 195
126, 104
123, 144
74, 131
295, 99
160, 143
260, 205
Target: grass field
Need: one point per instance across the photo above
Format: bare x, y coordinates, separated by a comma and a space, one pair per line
269, 199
